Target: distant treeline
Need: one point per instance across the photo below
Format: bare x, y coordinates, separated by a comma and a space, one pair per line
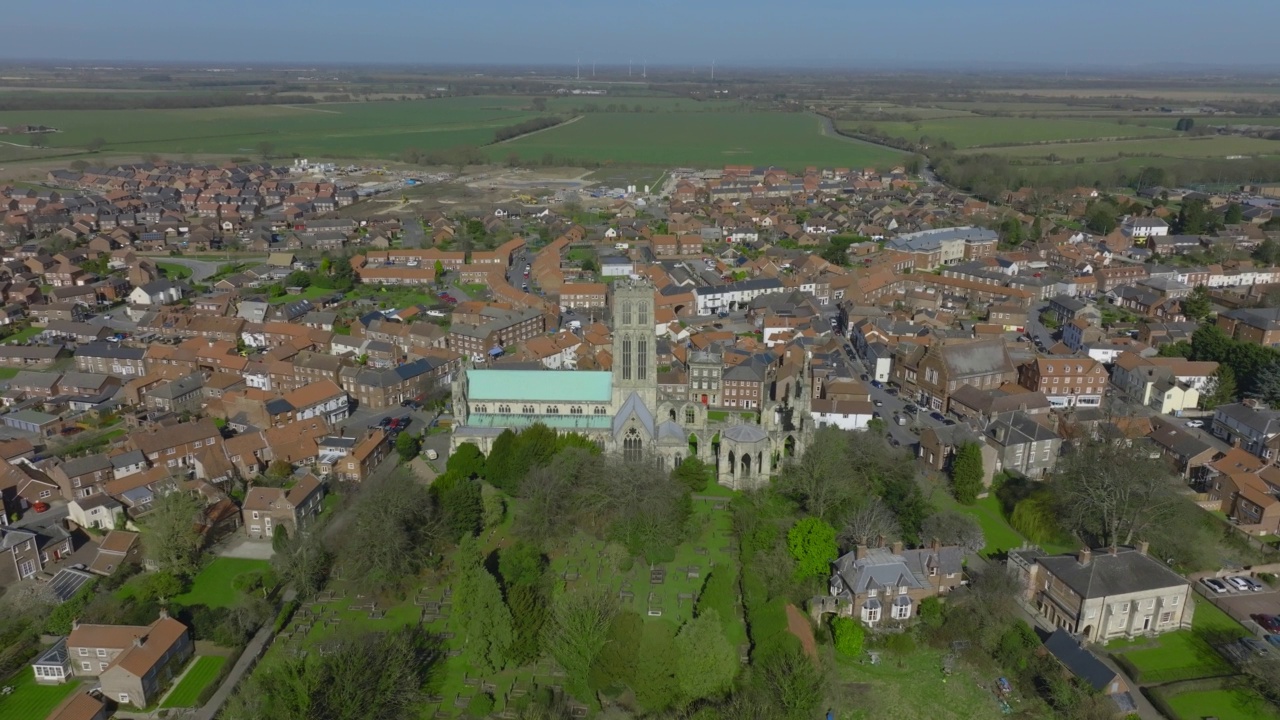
526, 127
139, 101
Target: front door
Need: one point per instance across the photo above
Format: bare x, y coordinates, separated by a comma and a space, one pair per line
704, 399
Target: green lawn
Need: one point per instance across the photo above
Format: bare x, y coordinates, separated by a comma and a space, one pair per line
1185, 654
199, 675
1223, 704
969, 132
174, 271
699, 139
24, 334
1194, 148
212, 586
30, 701
8, 373
308, 293
912, 687
474, 289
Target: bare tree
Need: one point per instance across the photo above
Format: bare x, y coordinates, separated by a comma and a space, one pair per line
1113, 491
169, 532
954, 528
867, 523
820, 479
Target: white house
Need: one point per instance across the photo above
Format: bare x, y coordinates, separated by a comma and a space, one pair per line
733, 296
741, 236
843, 414
158, 292
1143, 227
100, 511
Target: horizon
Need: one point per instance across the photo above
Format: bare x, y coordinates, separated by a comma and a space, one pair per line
918, 35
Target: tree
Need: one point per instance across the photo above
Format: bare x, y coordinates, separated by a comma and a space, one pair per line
575, 632
655, 683
1266, 385
819, 480
707, 661
1184, 124
391, 533
1221, 390
869, 522
521, 563
848, 636
812, 543
304, 562
931, 613
170, 534
266, 149
1037, 230
407, 446
1113, 493
616, 663
1036, 518
791, 681
1101, 218
1267, 252
95, 144
693, 474
966, 473
280, 470
298, 278
902, 495
280, 537
439, 272
484, 621
495, 507
528, 618
504, 468
466, 462
1234, 214
955, 528
1197, 305
460, 502
1193, 218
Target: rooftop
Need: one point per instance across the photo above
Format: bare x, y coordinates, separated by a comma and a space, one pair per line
590, 386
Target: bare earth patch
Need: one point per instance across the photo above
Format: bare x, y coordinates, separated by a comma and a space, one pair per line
798, 625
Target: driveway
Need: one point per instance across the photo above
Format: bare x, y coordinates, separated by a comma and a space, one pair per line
1240, 605
243, 547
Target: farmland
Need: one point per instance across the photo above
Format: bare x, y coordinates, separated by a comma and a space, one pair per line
970, 132
1173, 147
701, 139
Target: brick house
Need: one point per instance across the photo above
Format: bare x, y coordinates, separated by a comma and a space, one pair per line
931, 374
876, 585
1260, 326
133, 663
584, 296
1067, 382
82, 477
27, 551
265, 508
364, 457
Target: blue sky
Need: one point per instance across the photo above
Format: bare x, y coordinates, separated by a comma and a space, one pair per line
848, 33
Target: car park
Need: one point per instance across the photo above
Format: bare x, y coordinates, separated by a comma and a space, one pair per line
1214, 585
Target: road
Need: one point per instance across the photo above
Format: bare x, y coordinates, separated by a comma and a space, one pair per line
1036, 329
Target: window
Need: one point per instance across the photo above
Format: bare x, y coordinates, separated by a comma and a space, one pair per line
171, 451
102, 652
871, 614
642, 358
255, 514
1166, 618
45, 493
84, 652
124, 698
86, 666
872, 592
902, 612
102, 666
902, 589
599, 410
1175, 600
199, 443
626, 358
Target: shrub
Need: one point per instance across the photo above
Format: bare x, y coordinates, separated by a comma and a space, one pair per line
481, 705
848, 635
931, 613
900, 643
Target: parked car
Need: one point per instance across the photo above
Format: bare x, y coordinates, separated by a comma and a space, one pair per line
938, 416
1270, 623
1254, 646
909, 407
1195, 423
877, 403
1254, 585
1274, 640
40, 506
1238, 583
1214, 584
877, 384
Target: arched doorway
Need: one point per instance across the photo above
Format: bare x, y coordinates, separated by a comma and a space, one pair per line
746, 465
693, 445
733, 468
789, 446
632, 448
672, 414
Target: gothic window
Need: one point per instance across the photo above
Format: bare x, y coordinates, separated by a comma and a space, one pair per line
644, 313
642, 358
626, 358
482, 408
626, 313
504, 408
528, 410
575, 410
632, 450
688, 416
599, 410
553, 410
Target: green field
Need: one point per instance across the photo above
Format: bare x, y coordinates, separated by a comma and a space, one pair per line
213, 587
1184, 654
1000, 536
699, 139
200, 674
372, 130
24, 334
1173, 147
30, 700
912, 687
972, 132
1225, 704
174, 271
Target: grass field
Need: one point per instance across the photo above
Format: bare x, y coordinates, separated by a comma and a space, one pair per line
1000, 536
29, 700
201, 673
174, 271
1185, 654
1224, 704
912, 687
212, 586
370, 130
986, 131
1174, 147
24, 334
700, 139
308, 293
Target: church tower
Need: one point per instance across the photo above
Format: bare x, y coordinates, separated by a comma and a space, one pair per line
635, 352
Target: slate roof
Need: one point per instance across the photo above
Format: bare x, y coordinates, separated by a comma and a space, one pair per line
1127, 571
977, 358
879, 568
1082, 663
744, 433
633, 405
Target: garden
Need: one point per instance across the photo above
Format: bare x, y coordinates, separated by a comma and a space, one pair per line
28, 699
204, 670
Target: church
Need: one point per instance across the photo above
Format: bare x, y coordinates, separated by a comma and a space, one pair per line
623, 411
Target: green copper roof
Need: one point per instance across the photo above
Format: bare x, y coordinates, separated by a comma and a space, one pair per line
565, 386
556, 422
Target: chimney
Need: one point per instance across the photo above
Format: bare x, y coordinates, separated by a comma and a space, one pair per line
1085, 557
137, 642
1143, 546
859, 552
1113, 549
897, 547
164, 613
880, 541
935, 544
